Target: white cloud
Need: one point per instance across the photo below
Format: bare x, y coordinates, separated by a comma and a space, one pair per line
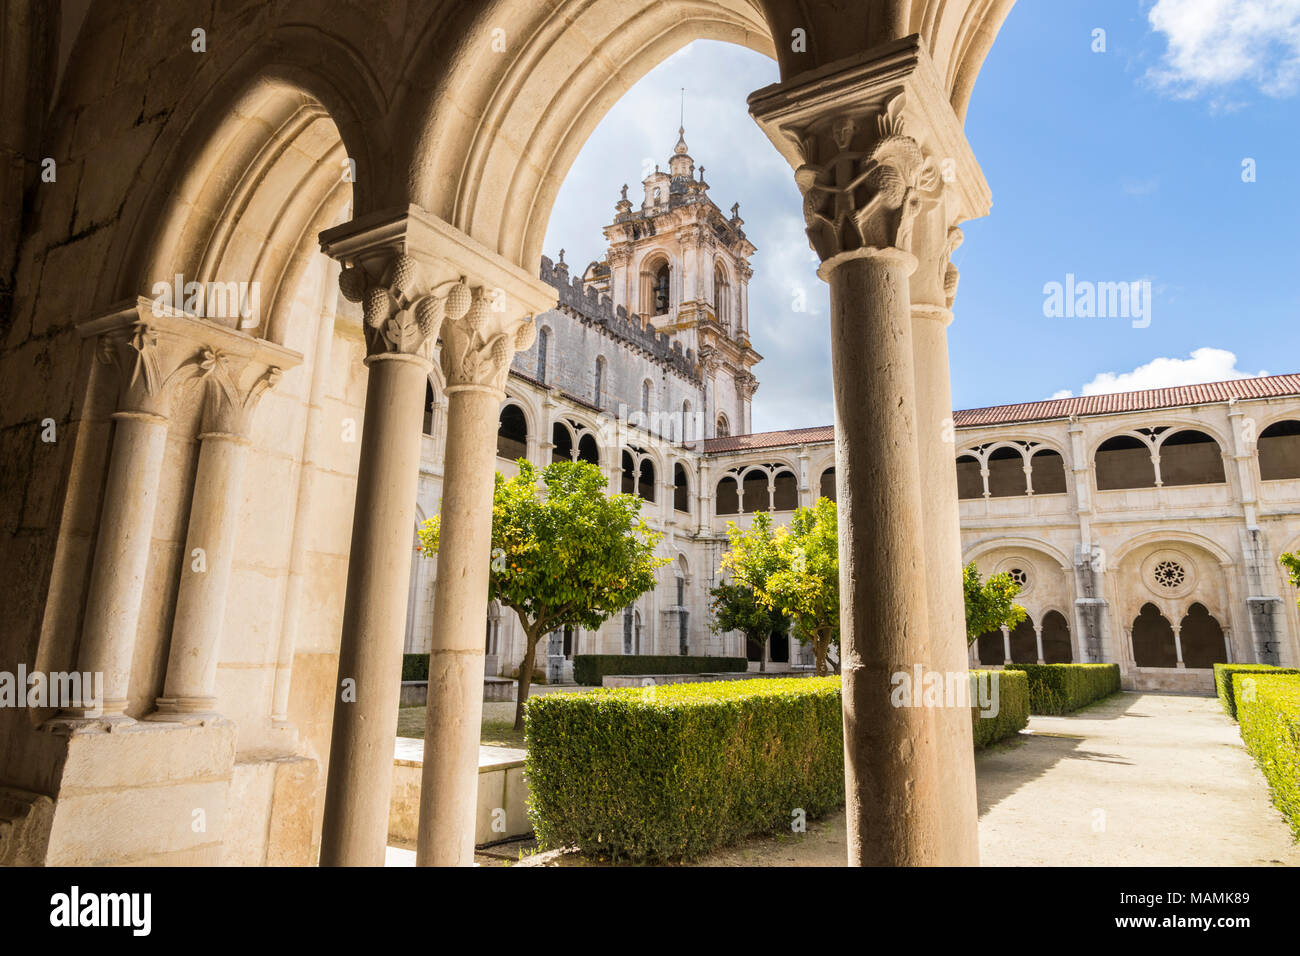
1219, 43
1204, 365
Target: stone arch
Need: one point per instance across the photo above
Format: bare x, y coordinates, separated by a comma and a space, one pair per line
512, 432
1024, 642
1212, 547
970, 477
1189, 456
588, 449
562, 440
1047, 472
1201, 637
1058, 648
979, 549
1278, 450
723, 429
260, 153
681, 489
826, 484
726, 499
1124, 461
785, 490
1153, 639
1006, 470
989, 648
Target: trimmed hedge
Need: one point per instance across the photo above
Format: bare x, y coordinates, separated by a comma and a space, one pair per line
590, 669
415, 667
1012, 706
1061, 688
1223, 674
675, 771
1270, 727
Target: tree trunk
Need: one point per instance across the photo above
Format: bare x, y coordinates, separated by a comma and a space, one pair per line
525, 678
819, 653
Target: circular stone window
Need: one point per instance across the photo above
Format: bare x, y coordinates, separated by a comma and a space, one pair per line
1019, 569
1020, 577
1168, 573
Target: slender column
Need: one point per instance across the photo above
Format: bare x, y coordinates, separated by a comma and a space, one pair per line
1006, 644
1178, 644
121, 558
449, 782
1038, 639
400, 323
189, 691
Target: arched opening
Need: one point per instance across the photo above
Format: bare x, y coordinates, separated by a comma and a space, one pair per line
647, 389
1124, 462
681, 490
512, 434
727, 499
1024, 642
1006, 473
562, 439
660, 289
722, 297
588, 450
1153, 639
990, 648
1279, 451
628, 487
723, 429
645, 486
1047, 472
826, 487
756, 495
688, 427
970, 482
1201, 638
429, 405
1057, 648
1190, 457
785, 492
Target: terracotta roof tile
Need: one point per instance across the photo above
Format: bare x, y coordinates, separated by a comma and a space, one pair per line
1272, 386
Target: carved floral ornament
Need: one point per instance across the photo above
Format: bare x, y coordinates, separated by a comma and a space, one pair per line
401, 316
153, 365
866, 197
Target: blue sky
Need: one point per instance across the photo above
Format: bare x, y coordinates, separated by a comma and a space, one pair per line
1123, 165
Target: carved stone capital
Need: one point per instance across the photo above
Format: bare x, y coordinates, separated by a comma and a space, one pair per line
746, 385
876, 147
232, 387
419, 280
157, 352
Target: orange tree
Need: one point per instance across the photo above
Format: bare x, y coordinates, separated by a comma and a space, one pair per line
564, 553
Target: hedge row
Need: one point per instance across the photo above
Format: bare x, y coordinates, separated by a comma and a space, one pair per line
1268, 709
590, 669
1006, 693
1223, 674
415, 667
675, 771
1061, 688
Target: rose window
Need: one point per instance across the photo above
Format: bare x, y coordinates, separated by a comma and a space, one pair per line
1019, 576
1170, 575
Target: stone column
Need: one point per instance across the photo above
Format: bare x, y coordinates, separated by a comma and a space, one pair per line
1038, 639
867, 139
401, 323
189, 691
1178, 644
476, 356
1006, 645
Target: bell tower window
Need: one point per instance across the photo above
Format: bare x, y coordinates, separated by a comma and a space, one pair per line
660, 296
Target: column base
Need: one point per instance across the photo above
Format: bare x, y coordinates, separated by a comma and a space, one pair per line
191, 711
74, 721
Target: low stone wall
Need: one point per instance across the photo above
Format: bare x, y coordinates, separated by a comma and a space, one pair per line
1181, 680
416, 692
502, 794
646, 680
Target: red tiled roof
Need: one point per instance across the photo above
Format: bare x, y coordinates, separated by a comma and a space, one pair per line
1272, 386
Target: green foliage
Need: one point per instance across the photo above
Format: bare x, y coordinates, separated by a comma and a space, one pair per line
989, 604
792, 572
415, 667
1012, 714
673, 772
1061, 688
1268, 706
590, 669
1292, 564
564, 553
1223, 674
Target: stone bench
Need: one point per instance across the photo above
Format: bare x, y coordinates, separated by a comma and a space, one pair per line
501, 787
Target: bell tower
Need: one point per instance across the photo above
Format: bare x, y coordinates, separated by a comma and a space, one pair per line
681, 266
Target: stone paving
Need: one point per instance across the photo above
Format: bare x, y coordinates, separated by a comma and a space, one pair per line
1140, 779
